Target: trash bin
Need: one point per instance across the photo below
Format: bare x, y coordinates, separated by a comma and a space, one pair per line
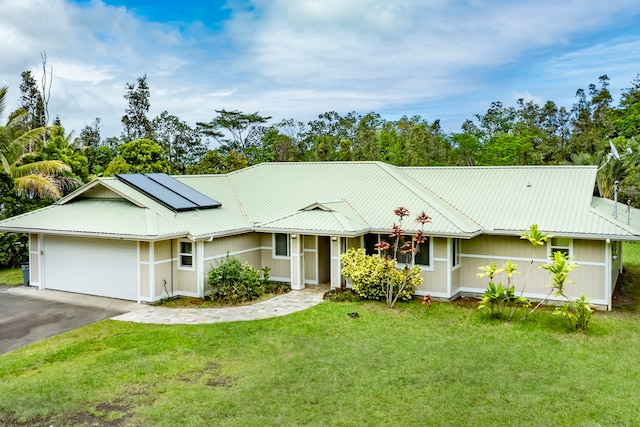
25, 274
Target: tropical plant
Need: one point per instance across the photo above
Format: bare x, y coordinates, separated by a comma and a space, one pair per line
577, 313
537, 238
410, 277
498, 297
36, 179
559, 271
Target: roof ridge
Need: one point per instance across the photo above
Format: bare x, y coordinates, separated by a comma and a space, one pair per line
238, 200
419, 190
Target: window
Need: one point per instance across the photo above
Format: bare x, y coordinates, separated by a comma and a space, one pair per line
186, 255
280, 245
370, 241
423, 256
455, 255
560, 244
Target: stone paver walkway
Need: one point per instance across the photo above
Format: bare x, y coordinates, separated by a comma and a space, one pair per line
276, 306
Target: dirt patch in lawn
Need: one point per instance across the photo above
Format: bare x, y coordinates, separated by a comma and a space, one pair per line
210, 375
106, 414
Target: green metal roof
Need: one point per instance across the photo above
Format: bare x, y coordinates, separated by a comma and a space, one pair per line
347, 198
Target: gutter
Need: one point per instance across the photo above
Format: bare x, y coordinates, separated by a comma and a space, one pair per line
98, 235
585, 236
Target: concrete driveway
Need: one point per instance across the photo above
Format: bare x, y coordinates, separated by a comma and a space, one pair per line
28, 315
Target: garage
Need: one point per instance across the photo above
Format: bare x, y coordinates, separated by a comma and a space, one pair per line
91, 266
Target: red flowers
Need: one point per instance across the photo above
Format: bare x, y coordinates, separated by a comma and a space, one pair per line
401, 212
382, 246
419, 238
396, 231
423, 218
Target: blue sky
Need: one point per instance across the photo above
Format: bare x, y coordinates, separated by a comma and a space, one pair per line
440, 59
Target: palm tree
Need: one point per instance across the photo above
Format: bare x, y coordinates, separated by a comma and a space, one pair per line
36, 179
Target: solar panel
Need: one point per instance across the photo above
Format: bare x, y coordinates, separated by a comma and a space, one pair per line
203, 202
168, 191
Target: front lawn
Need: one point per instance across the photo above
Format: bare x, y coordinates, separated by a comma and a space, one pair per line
449, 365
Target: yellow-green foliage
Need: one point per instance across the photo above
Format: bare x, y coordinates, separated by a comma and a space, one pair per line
370, 274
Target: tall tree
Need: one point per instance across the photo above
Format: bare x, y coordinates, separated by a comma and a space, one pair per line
88, 142
627, 116
235, 130
32, 102
135, 121
215, 162
182, 145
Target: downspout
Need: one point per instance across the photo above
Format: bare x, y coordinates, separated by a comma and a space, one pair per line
171, 258
449, 265
607, 273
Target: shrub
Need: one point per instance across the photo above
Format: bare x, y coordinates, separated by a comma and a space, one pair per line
369, 275
497, 297
342, 295
234, 282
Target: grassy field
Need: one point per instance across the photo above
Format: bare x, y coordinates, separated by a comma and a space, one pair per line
11, 276
449, 365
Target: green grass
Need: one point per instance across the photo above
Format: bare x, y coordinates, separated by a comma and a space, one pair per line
450, 365
11, 276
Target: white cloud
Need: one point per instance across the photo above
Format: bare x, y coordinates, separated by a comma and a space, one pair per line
299, 58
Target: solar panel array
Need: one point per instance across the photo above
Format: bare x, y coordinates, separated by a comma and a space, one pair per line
168, 191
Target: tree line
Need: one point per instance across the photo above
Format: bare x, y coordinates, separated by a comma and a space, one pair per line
42, 162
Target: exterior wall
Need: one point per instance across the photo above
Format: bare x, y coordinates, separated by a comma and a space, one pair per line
589, 276
280, 268
145, 270
163, 269
246, 247
435, 277
101, 192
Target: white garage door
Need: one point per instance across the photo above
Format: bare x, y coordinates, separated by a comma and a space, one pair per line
91, 266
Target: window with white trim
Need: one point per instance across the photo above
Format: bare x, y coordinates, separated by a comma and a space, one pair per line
185, 255
280, 245
561, 244
423, 256
455, 252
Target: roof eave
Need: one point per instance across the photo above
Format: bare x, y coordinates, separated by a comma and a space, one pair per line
137, 237
586, 236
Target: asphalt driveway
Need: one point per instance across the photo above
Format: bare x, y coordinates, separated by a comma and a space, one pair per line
25, 320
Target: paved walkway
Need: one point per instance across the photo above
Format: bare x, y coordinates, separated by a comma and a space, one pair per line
142, 313
277, 306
